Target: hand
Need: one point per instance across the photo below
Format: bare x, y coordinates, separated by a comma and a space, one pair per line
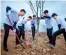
8, 8
65, 19
11, 28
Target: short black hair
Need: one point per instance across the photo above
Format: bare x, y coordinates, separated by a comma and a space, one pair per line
46, 11
54, 14
29, 17
23, 10
34, 15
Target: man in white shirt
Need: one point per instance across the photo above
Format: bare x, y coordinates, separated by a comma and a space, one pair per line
10, 23
33, 26
62, 30
20, 29
48, 24
54, 25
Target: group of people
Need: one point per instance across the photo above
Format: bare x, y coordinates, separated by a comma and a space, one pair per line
54, 26
13, 22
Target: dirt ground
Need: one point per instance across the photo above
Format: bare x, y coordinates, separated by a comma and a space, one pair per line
39, 48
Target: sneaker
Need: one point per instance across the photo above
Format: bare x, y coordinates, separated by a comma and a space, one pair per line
51, 46
47, 42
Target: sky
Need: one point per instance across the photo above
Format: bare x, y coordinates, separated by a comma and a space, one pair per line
52, 5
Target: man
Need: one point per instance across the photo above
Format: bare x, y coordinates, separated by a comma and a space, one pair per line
48, 25
54, 25
20, 27
10, 23
62, 30
33, 26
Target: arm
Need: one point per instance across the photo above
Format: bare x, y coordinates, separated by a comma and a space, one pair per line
9, 8
10, 21
42, 17
47, 17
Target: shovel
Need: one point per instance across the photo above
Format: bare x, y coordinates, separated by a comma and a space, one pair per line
27, 43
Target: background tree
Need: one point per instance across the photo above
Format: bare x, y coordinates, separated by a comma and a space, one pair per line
37, 9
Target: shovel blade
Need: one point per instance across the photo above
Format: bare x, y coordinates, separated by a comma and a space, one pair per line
27, 43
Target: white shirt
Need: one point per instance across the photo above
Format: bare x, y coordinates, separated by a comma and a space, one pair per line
20, 22
54, 25
13, 17
48, 21
33, 21
62, 22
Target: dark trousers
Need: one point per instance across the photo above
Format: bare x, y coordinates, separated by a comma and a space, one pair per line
33, 31
20, 33
6, 34
61, 31
49, 34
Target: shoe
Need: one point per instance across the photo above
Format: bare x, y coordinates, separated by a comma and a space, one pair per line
6, 49
51, 46
33, 39
23, 41
47, 42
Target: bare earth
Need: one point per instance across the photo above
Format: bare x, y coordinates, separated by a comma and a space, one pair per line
40, 48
